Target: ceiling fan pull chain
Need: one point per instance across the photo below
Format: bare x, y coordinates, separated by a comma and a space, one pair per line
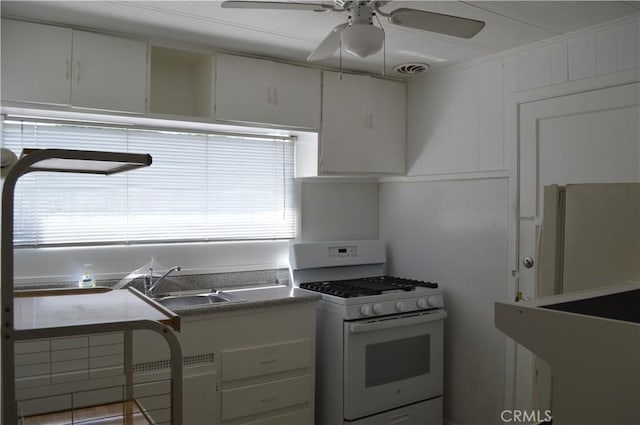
340, 65
384, 57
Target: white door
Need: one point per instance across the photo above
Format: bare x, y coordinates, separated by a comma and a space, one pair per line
244, 89
36, 63
297, 96
109, 73
346, 115
588, 137
388, 126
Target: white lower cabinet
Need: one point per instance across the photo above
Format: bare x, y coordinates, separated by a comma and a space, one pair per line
262, 372
263, 360
294, 418
265, 397
267, 370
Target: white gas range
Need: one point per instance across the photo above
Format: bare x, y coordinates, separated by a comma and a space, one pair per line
380, 338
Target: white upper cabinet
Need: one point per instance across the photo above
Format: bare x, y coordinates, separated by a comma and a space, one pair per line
109, 73
53, 65
363, 125
36, 63
267, 92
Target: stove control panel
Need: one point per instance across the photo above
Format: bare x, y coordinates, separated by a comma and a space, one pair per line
383, 308
350, 251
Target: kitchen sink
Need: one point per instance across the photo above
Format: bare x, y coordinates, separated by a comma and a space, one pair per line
179, 301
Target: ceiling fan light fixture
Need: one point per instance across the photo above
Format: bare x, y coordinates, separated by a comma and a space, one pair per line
362, 39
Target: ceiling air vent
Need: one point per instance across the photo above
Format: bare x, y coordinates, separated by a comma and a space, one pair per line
411, 68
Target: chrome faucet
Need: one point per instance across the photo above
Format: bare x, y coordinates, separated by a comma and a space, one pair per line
150, 285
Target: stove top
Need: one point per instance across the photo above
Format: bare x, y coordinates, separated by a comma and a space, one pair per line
367, 286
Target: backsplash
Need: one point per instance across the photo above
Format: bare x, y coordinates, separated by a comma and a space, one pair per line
193, 282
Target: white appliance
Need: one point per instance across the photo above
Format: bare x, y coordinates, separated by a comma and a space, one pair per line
379, 356
590, 237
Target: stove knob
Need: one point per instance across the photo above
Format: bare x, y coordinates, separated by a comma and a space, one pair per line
377, 308
400, 306
432, 301
422, 303
365, 310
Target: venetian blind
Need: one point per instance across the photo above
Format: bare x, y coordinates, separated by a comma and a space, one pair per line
200, 187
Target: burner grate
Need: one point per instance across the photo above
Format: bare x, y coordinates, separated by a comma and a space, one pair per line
366, 286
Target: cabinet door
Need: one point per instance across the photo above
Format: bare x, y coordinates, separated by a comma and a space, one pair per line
109, 73
297, 96
387, 127
346, 111
36, 63
244, 89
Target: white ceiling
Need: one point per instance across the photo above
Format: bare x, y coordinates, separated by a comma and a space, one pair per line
292, 35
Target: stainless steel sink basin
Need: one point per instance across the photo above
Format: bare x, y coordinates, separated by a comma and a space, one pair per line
179, 301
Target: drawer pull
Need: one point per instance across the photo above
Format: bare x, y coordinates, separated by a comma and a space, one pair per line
269, 398
271, 360
400, 418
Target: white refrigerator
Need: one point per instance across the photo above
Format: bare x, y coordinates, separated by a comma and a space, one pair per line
590, 237
589, 247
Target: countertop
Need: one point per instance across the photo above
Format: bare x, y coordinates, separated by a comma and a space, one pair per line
252, 298
66, 308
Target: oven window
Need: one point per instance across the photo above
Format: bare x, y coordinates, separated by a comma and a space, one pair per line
397, 360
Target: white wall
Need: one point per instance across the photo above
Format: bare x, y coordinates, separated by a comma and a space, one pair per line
452, 219
338, 210
455, 121
455, 233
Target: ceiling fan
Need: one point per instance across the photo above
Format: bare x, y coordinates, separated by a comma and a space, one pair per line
359, 35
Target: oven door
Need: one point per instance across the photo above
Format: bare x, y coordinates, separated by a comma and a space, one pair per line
392, 361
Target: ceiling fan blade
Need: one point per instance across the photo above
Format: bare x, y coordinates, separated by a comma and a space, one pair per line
329, 45
436, 22
235, 4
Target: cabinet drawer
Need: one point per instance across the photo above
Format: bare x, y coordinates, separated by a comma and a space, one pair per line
425, 413
265, 359
299, 417
252, 399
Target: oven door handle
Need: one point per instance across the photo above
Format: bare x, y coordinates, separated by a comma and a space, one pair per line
396, 322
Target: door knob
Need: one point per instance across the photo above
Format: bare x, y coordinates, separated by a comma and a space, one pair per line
527, 262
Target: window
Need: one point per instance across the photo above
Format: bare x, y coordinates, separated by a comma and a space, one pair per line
200, 187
